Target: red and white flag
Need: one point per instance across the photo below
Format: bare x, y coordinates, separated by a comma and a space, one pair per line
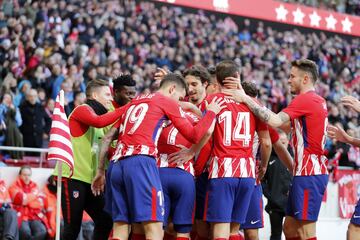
60, 147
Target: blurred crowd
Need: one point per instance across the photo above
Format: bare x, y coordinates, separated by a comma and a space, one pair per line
50, 45
344, 6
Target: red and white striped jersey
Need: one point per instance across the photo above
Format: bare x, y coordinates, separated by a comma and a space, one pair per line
169, 140
308, 113
143, 120
232, 154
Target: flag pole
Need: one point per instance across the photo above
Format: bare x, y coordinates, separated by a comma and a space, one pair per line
58, 192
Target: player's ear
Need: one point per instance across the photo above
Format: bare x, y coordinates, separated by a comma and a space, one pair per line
172, 88
306, 79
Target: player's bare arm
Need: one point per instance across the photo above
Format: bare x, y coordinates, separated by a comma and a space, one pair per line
284, 155
188, 106
265, 152
264, 114
338, 133
98, 183
186, 154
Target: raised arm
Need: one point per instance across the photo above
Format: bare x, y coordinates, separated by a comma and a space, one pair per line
338, 133
264, 114
84, 114
195, 134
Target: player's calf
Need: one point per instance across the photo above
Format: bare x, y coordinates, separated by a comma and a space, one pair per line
353, 232
153, 230
120, 230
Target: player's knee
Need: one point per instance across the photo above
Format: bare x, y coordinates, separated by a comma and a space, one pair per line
182, 228
251, 234
352, 228
289, 229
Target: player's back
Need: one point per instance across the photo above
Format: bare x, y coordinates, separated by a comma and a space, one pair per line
233, 137
169, 142
142, 123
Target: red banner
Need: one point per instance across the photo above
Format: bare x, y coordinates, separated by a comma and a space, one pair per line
275, 11
349, 191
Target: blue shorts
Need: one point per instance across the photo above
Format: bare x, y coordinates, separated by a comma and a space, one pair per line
254, 217
201, 188
136, 190
356, 216
305, 196
179, 197
228, 199
108, 192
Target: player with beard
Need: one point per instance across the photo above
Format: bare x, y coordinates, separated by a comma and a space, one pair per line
307, 113
140, 198
198, 80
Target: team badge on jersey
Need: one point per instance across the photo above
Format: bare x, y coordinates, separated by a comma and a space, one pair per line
76, 194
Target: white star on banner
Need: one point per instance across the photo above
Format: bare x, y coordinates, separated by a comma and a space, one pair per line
298, 16
314, 19
281, 13
330, 22
347, 24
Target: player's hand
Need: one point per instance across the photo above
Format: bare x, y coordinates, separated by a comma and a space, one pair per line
236, 94
232, 82
98, 183
160, 74
338, 133
216, 105
260, 172
352, 102
187, 106
182, 156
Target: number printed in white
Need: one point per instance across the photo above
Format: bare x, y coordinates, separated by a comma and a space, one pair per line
241, 132
161, 198
172, 136
135, 115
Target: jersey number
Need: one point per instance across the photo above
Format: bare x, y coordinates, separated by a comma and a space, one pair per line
241, 132
135, 115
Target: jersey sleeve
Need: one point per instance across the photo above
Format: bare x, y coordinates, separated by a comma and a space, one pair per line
86, 115
274, 135
178, 117
298, 107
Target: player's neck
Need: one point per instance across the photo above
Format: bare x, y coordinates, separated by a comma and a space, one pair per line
306, 89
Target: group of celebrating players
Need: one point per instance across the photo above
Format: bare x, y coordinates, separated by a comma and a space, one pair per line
173, 160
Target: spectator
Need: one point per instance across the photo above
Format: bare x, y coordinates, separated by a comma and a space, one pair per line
10, 122
79, 98
34, 119
29, 204
8, 217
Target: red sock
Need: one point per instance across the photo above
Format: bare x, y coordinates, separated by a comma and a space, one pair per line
198, 237
313, 238
182, 238
168, 236
294, 238
138, 236
236, 237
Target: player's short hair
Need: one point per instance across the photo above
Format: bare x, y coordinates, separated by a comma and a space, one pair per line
307, 66
174, 78
123, 80
226, 68
199, 72
212, 71
250, 89
93, 85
